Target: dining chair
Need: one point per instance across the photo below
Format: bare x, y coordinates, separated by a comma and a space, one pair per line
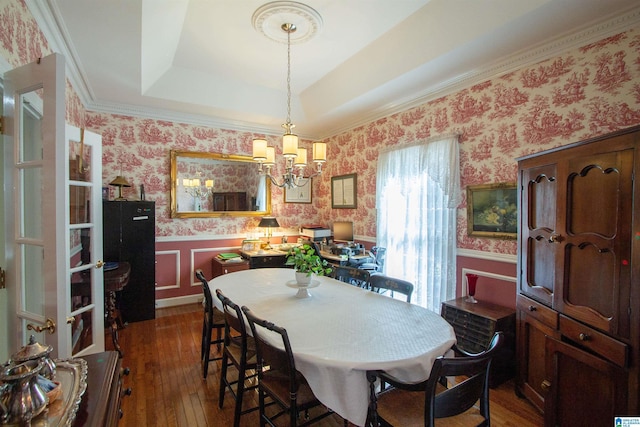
213, 320
380, 283
240, 352
351, 275
421, 404
281, 381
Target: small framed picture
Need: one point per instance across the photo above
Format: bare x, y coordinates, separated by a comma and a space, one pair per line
299, 194
105, 193
492, 210
251, 245
344, 191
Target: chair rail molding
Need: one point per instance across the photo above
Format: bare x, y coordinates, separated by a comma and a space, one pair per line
489, 256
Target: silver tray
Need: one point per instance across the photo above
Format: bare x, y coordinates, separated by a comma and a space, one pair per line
72, 375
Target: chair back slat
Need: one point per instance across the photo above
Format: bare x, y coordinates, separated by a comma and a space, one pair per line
379, 282
460, 397
351, 275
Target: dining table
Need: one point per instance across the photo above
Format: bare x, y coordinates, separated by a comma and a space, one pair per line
339, 332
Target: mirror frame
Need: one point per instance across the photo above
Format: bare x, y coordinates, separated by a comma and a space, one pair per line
212, 214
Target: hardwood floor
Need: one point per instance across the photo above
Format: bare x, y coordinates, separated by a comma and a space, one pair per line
168, 388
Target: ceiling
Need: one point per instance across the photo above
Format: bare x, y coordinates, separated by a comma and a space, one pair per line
205, 62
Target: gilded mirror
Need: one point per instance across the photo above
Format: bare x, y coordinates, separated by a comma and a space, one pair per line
214, 184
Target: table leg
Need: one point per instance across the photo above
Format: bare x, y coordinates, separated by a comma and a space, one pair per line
112, 319
372, 415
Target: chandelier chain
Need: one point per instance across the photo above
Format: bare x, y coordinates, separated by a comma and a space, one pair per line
289, 75
295, 157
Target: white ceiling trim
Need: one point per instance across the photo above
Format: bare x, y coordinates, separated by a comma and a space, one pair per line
48, 18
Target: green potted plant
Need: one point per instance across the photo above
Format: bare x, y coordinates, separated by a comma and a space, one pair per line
306, 263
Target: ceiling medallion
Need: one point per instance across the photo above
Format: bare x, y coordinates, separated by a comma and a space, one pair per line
268, 19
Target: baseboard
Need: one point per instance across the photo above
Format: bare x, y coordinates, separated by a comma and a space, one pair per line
172, 302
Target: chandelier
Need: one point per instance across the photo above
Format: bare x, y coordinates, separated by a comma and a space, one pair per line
295, 158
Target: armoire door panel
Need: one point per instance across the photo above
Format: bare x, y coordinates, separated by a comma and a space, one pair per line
597, 244
586, 268
538, 210
585, 389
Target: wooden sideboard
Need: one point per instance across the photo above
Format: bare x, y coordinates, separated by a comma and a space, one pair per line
100, 404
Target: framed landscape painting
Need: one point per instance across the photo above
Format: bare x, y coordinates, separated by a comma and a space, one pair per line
492, 210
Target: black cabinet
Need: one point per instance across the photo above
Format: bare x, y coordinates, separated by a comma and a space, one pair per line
268, 259
129, 235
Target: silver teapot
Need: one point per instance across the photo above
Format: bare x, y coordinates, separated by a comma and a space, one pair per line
36, 351
21, 397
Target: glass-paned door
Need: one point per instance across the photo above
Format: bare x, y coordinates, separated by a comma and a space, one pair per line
84, 229
38, 224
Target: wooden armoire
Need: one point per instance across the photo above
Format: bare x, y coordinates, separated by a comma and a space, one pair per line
578, 304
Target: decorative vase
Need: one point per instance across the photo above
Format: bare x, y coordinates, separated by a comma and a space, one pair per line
472, 280
302, 279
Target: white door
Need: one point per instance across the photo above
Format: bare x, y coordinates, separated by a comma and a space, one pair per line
39, 226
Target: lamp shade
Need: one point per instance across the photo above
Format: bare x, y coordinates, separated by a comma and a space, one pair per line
319, 152
120, 181
268, 221
289, 145
301, 159
259, 150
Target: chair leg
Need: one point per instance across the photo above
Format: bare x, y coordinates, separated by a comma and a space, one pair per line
239, 394
207, 352
204, 334
223, 380
219, 338
263, 421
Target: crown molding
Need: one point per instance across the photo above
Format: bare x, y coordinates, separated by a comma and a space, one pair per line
521, 59
48, 18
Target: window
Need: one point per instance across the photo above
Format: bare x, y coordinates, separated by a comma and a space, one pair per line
418, 191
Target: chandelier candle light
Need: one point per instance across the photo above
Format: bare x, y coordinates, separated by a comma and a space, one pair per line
294, 157
194, 188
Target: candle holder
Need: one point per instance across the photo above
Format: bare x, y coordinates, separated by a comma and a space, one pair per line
472, 279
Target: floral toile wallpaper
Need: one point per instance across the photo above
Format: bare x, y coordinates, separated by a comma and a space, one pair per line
585, 92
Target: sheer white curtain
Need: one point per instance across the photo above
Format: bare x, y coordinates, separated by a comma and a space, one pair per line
418, 190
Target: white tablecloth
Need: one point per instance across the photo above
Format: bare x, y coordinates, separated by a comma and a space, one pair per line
342, 331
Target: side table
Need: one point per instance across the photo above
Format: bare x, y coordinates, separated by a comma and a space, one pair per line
114, 281
475, 324
220, 267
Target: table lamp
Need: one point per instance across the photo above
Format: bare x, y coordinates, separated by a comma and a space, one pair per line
268, 222
120, 182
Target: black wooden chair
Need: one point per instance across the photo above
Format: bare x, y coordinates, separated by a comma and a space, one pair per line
380, 283
213, 320
281, 381
351, 275
420, 404
240, 352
